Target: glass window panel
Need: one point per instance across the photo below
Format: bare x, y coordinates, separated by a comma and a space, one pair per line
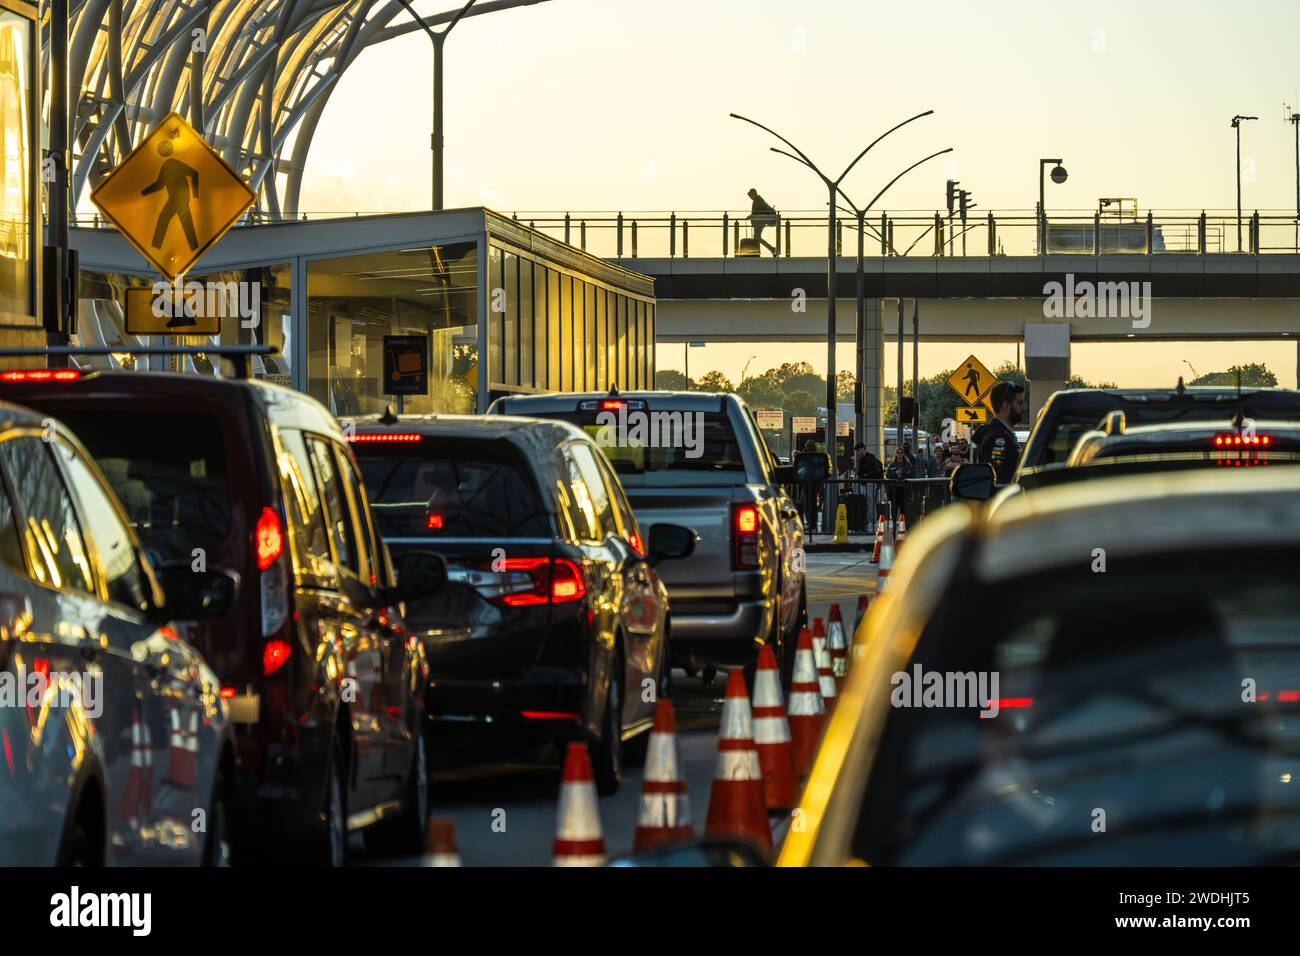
565, 341
54, 544
496, 294
16, 198
540, 339
553, 339
621, 348
354, 301
652, 341
510, 343
589, 336
611, 339
602, 337
527, 325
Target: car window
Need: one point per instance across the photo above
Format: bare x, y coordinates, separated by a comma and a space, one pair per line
306, 516
53, 538
581, 500
628, 527
584, 457
452, 487
1164, 693
11, 544
666, 448
117, 555
169, 471
367, 542
337, 514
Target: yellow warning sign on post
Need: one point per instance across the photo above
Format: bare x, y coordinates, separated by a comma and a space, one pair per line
148, 313
972, 381
968, 415
173, 197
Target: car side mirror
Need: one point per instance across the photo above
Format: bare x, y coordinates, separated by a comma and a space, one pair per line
973, 481
190, 595
670, 542
812, 466
420, 574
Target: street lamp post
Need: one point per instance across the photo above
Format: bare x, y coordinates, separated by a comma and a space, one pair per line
1236, 125
1059, 175
439, 38
832, 189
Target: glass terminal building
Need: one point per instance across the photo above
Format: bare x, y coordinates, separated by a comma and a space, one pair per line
503, 308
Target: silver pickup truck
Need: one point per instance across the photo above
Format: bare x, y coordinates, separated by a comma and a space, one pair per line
698, 459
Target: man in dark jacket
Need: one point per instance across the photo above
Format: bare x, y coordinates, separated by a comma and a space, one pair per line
761, 216
868, 465
995, 441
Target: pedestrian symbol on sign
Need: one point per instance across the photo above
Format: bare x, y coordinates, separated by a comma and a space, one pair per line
176, 177
972, 378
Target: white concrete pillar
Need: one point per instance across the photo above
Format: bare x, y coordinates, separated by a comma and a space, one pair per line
1047, 362
871, 369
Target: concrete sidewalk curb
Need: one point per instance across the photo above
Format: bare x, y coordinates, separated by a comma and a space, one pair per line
853, 547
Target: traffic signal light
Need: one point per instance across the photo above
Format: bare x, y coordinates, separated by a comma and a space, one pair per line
965, 203
952, 194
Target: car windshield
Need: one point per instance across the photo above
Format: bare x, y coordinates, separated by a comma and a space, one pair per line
1147, 715
1063, 430
448, 488
169, 471
658, 448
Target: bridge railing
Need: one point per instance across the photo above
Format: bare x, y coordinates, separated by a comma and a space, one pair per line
659, 234
918, 233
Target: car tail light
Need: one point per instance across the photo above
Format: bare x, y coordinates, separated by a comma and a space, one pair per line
274, 654
434, 523
270, 539
41, 375
528, 582
745, 526
566, 582
386, 438
227, 693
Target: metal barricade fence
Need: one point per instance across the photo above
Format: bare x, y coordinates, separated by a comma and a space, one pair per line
866, 500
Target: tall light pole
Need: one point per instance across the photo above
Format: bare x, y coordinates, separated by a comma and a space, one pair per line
832, 259
439, 38
1236, 125
1059, 175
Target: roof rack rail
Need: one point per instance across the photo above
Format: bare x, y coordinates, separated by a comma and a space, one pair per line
238, 354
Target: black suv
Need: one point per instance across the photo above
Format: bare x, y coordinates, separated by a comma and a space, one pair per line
247, 498
553, 624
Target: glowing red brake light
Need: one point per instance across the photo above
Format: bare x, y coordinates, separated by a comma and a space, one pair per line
41, 375
434, 523
566, 581
746, 519
637, 544
399, 438
610, 405
227, 693
274, 654
270, 539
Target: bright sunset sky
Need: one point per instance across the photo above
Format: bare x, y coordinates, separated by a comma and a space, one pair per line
622, 104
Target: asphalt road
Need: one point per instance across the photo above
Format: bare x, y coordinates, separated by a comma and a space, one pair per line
505, 811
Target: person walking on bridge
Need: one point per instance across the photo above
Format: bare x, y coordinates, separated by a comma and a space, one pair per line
761, 216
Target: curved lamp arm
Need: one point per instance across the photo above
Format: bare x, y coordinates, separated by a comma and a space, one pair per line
846, 172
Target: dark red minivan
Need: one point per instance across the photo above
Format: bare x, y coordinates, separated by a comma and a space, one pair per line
247, 493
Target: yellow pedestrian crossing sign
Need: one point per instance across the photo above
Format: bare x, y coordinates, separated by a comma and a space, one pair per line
967, 414
173, 197
972, 381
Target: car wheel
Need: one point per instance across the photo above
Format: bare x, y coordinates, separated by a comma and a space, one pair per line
217, 846
330, 844
607, 762
403, 835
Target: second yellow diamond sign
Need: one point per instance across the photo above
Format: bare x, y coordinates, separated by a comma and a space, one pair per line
173, 197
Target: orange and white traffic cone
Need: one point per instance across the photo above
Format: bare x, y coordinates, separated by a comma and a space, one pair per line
807, 711
440, 847
886, 564
665, 814
880, 540
772, 735
901, 536
825, 673
136, 794
737, 807
184, 749
578, 840
838, 645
